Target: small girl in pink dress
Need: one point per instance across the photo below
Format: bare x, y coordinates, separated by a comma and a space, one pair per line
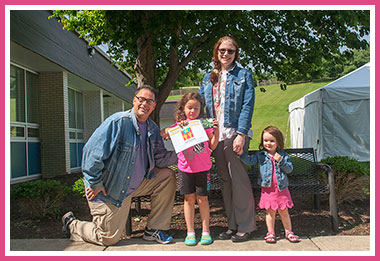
274, 164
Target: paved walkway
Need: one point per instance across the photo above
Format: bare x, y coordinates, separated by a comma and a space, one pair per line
223, 247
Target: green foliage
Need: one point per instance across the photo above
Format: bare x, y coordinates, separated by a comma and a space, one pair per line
290, 44
351, 178
35, 189
358, 58
42, 197
348, 165
207, 123
78, 188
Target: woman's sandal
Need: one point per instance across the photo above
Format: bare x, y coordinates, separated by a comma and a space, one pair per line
291, 237
270, 238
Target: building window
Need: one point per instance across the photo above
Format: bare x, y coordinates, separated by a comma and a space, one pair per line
75, 128
24, 123
112, 104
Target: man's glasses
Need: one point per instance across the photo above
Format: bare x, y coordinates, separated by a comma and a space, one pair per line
229, 51
148, 101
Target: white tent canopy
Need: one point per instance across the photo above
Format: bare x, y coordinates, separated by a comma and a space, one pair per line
335, 119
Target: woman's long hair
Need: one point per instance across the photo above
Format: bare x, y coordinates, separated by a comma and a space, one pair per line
215, 73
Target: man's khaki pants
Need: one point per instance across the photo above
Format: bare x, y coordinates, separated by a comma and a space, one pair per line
108, 221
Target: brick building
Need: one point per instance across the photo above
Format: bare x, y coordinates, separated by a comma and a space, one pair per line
60, 91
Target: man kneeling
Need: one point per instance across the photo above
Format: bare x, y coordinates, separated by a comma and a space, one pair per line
125, 157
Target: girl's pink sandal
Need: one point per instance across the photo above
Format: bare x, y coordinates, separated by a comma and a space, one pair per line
270, 238
291, 237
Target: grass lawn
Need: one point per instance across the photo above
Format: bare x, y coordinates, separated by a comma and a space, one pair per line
174, 97
271, 107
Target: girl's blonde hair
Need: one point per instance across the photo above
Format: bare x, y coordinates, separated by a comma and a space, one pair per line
180, 113
215, 73
275, 132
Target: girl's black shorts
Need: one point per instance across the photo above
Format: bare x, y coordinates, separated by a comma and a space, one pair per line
197, 183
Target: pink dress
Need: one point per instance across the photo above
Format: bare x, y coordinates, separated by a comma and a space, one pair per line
272, 198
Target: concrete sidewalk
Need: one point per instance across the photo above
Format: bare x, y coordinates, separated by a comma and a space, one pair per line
323, 243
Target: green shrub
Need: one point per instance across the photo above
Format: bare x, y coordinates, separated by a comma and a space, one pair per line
78, 188
351, 178
42, 198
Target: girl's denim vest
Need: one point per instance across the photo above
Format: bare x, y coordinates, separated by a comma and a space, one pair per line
261, 158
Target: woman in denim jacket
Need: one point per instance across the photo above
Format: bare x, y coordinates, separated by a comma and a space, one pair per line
274, 165
229, 95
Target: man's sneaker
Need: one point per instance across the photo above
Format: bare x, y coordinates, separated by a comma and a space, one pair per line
190, 240
157, 235
206, 240
66, 221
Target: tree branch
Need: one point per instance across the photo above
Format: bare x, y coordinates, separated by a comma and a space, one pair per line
196, 48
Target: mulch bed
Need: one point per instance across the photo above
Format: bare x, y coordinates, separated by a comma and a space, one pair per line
354, 218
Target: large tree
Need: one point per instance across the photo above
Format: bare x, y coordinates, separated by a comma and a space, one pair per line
155, 46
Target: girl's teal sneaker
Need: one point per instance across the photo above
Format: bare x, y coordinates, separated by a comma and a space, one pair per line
206, 240
190, 240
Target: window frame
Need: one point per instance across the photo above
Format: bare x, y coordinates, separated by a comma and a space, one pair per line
76, 130
26, 126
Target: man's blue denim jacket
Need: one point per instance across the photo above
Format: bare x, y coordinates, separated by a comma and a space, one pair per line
239, 98
110, 153
283, 167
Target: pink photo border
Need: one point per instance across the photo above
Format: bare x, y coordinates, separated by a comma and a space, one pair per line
148, 3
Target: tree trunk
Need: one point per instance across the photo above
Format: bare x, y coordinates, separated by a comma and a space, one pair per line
155, 116
145, 66
163, 94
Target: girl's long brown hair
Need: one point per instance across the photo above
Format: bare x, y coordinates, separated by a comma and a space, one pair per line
180, 112
215, 73
275, 132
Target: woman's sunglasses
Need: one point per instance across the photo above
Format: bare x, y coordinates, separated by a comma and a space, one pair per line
229, 51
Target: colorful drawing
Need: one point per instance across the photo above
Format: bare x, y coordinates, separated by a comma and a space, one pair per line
187, 134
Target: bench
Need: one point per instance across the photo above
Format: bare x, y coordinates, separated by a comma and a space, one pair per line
305, 179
